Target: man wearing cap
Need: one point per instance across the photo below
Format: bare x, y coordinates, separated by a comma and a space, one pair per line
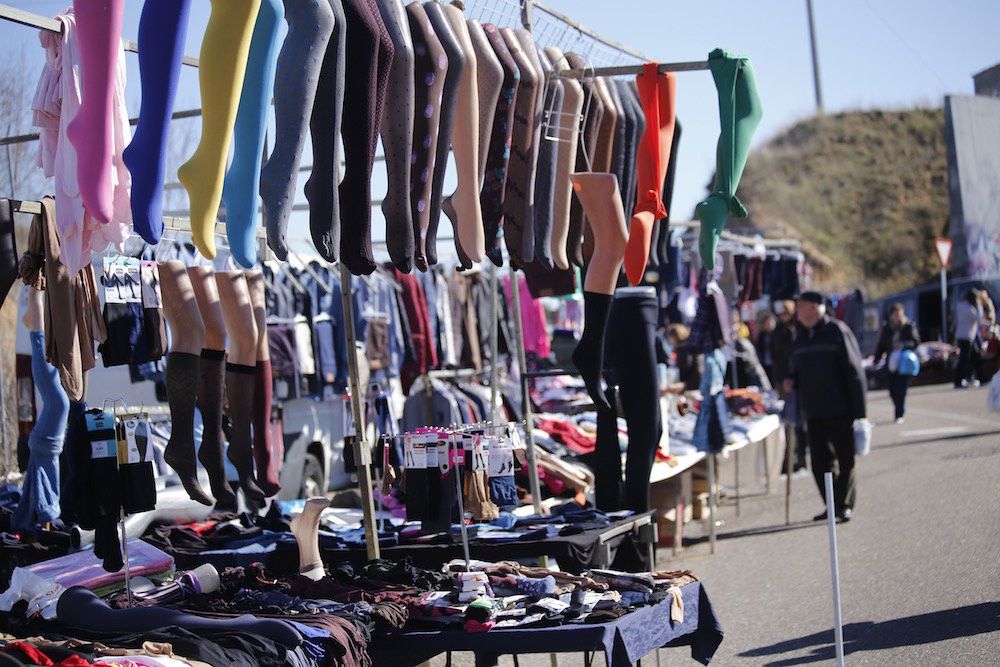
825, 372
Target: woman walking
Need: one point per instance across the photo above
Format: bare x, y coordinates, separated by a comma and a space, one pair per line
898, 334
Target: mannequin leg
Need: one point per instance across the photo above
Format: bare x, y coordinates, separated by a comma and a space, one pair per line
242, 181
224, 51
489, 79
569, 131
237, 310
305, 528
430, 66
468, 217
162, 29
598, 193
211, 382
187, 332
521, 170
99, 26
362, 112
450, 97
297, 90
498, 158
668, 192
739, 115
267, 453
397, 137
545, 174
657, 92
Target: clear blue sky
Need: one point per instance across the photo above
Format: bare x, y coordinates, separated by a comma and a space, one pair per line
873, 53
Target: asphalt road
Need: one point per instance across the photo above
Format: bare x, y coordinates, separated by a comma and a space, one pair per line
919, 564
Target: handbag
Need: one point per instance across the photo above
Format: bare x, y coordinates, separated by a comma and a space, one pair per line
909, 363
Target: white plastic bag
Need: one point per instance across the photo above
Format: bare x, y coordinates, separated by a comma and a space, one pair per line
993, 398
862, 437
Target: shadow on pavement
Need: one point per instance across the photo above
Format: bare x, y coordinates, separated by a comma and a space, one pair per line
939, 438
927, 628
750, 532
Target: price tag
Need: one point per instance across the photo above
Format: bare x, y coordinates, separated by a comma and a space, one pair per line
501, 460
150, 276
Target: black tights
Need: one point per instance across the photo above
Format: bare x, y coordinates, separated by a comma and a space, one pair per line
8, 249
631, 355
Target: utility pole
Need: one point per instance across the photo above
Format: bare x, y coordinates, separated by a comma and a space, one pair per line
815, 58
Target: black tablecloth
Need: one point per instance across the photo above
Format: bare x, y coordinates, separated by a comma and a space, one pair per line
623, 641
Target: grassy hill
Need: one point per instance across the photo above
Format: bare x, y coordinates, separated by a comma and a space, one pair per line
865, 191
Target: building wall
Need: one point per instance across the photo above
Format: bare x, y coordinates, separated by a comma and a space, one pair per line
972, 135
987, 82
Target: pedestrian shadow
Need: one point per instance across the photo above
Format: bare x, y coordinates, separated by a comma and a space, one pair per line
926, 628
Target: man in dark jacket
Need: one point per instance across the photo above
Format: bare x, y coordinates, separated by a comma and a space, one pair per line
781, 341
826, 373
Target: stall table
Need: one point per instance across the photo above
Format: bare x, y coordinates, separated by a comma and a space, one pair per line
624, 641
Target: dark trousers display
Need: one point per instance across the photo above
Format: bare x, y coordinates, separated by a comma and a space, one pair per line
631, 355
831, 443
898, 384
966, 363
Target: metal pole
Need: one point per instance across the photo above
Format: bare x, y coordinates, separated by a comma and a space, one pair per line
711, 501
495, 344
362, 454
815, 57
529, 419
944, 304
789, 433
838, 627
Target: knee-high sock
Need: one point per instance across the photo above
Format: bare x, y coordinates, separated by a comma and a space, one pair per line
239, 393
324, 128
369, 54
657, 92
223, 61
162, 29
296, 81
243, 178
466, 214
498, 157
739, 115
545, 173
211, 388
588, 356
397, 137
99, 26
446, 126
430, 67
182, 391
267, 460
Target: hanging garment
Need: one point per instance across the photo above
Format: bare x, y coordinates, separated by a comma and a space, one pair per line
712, 426
73, 321
57, 101
536, 336
40, 491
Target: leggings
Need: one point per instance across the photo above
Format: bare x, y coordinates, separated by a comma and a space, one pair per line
8, 250
631, 355
80, 609
40, 495
898, 385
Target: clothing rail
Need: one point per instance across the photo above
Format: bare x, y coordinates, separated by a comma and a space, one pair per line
584, 30
32, 20
583, 73
33, 136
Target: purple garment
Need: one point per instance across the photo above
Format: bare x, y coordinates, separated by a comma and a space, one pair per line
282, 349
83, 568
536, 336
